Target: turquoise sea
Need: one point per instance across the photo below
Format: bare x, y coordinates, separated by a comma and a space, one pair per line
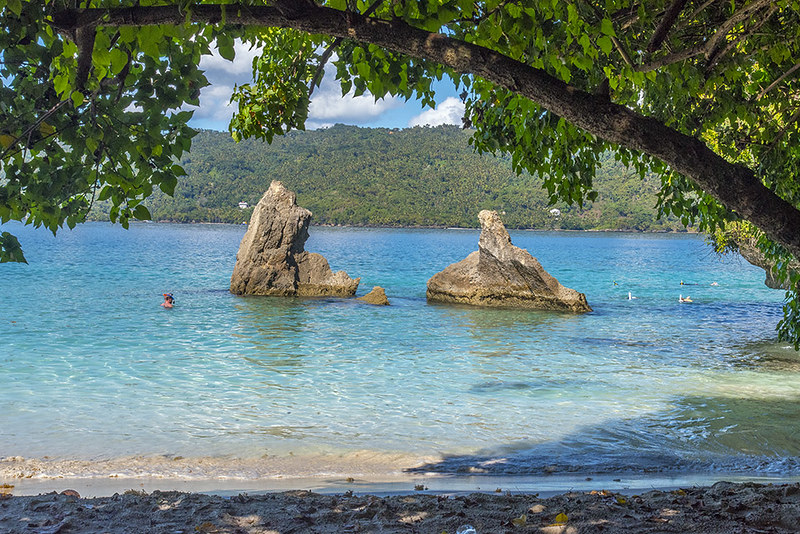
92, 368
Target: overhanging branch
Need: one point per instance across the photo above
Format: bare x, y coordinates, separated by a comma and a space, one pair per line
665, 25
735, 186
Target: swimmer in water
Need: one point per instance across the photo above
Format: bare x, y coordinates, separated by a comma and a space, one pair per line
169, 300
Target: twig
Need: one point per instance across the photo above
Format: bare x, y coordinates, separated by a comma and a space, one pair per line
778, 81
709, 47
32, 127
731, 45
326, 55
700, 9
728, 25
617, 44
789, 122
622, 52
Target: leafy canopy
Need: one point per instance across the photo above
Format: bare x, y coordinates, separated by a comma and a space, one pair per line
91, 94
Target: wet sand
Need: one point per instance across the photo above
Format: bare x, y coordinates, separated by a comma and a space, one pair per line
722, 508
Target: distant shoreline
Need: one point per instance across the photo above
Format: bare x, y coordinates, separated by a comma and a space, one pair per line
443, 227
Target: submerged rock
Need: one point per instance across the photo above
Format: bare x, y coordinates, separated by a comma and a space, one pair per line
272, 259
377, 296
502, 275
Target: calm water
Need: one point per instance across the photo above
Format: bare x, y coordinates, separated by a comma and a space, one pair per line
91, 367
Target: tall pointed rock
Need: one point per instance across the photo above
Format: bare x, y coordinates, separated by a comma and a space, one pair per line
502, 275
272, 259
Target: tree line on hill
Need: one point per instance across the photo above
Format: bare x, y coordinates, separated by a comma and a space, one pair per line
422, 176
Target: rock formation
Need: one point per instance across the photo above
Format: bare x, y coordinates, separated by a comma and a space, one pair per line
271, 258
748, 248
377, 296
500, 274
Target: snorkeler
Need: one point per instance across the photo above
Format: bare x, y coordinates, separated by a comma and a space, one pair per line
168, 300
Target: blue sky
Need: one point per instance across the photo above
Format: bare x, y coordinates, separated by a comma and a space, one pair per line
328, 107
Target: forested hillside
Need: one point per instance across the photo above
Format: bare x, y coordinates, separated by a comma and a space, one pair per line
411, 177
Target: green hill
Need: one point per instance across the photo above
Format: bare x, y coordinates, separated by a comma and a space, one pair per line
383, 177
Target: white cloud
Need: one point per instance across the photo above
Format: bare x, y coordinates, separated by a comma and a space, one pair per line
241, 66
314, 125
215, 109
328, 105
448, 112
215, 104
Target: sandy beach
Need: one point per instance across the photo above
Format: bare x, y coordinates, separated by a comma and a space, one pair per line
722, 508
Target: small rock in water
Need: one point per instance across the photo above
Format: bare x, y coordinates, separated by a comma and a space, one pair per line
377, 297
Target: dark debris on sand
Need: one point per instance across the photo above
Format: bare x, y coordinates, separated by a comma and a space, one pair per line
723, 508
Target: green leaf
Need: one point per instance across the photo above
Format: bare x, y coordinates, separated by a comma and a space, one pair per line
606, 28
149, 38
141, 212
61, 83
225, 47
605, 44
585, 43
16, 7
77, 98
105, 193
101, 55
118, 60
168, 185
572, 14
10, 249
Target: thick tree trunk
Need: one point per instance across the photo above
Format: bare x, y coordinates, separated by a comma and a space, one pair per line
735, 186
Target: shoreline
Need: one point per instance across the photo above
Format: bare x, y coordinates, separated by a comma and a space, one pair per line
684, 231
407, 484
362, 472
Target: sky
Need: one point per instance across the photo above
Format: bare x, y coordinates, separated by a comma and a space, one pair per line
328, 107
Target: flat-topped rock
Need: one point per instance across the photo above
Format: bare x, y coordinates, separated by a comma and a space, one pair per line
272, 259
500, 274
377, 297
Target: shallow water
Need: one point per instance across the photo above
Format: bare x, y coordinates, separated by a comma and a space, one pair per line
92, 368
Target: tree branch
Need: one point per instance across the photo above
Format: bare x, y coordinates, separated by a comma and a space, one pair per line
729, 24
718, 54
665, 25
780, 133
84, 38
700, 9
49, 113
675, 57
617, 44
326, 55
735, 186
774, 84
708, 47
